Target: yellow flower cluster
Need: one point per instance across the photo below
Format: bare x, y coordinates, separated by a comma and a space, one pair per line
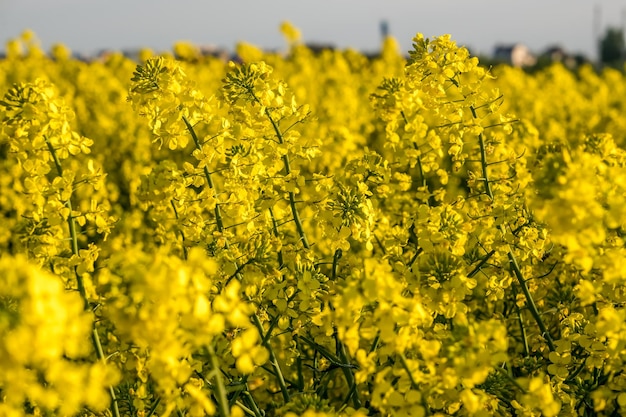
310, 233
44, 346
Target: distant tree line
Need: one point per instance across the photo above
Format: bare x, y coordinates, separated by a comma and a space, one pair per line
612, 51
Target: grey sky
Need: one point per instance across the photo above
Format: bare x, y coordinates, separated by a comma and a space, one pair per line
89, 25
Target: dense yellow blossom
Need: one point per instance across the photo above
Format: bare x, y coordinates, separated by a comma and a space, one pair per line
44, 348
310, 233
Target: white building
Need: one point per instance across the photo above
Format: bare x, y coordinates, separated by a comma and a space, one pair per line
518, 55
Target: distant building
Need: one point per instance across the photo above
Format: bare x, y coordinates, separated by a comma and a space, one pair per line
384, 29
558, 54
555, 53
517, 55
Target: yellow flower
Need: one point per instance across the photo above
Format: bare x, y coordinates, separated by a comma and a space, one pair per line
44, 335
290, 32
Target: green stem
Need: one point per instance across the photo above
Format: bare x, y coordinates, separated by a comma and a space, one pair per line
220, 228
348, 372
375, 342
207, 174
512, 259
273, 360
414, 258
530, 301
275, 230
511, 379
95, 338
484, 165
347, 369
253, 404
521, 326
292, 195
154, 407
334, 360
300, 373
481, 263
419, 157
336, 258
342, 356
245, 409
182, 234
405, 365
414, 384
72, 226
222, 401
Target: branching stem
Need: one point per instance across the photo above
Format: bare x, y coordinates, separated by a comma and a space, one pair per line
292, 195
512, 259
273, 360
207, 174
287, 165
222, 401
95, 338
530, 301
255, 318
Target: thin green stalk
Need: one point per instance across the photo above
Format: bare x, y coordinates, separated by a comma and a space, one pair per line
72, 226
287, 164
521, 326
256, 320
530, 301
348, 373
481, 263
219, 382
511, 379
180, 232
351, 392
246, 409
512, 259
577, 371
252, 403
414, 384
419, 157
405, 365
207, 175
273, 360
222, 401
275, 230
95, 338
347, 370
154, 407
414, 258
300, 373
334, 360
335, 268
375, 342
292, 195
220, 228
488, 256
484, 166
